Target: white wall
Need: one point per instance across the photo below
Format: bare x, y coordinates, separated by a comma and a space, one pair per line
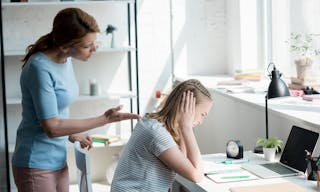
154, 50
229, 119
199, 37
198, 43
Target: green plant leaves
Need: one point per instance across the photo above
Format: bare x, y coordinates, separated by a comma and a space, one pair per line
303, 44
270, 142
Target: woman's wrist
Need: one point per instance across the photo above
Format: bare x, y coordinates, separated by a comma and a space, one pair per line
72, 138
103, 119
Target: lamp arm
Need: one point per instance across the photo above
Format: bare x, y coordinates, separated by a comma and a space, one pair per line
266, 114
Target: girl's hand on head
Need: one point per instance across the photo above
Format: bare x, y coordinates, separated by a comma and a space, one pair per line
113, 115
187, 110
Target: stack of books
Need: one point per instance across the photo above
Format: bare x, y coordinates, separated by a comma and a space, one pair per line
100, 138
300, 84
252, 76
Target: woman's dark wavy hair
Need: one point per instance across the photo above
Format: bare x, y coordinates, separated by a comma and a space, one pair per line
69, 26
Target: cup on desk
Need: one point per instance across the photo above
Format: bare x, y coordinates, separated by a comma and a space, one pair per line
312, 169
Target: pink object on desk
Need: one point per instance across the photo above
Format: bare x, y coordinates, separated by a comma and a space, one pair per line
311, 97
296, 93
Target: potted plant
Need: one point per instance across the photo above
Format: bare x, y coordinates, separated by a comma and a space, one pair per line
270, 147
303, 45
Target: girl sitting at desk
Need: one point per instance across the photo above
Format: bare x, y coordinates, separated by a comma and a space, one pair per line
163, 143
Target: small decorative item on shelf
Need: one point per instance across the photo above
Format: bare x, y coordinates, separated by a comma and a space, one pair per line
110, 30
270, 147
94, 87
304, 47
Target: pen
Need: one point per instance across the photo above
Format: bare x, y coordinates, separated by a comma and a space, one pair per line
236, 177
211, 173
228, 161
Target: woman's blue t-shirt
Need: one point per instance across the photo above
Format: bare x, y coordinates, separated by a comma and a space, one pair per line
48, 88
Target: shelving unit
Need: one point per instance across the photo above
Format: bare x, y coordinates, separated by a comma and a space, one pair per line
15, 53
114, 68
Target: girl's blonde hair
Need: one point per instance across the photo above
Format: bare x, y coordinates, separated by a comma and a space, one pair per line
168, 112
69, 26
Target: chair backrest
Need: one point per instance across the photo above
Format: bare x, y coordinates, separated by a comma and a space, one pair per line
83, 168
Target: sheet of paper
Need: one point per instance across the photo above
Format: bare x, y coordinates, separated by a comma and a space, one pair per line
231, 175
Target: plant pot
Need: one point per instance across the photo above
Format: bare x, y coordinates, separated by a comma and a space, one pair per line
269, 153
302, 66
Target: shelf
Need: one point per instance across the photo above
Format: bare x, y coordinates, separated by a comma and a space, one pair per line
107, 96
11, 147
13, 101
99, 50
30, 3
116, 49
14, 53
124, 95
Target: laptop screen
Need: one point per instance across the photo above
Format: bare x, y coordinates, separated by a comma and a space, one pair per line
298, 141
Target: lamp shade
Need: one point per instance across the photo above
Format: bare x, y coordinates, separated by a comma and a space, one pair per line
277, 87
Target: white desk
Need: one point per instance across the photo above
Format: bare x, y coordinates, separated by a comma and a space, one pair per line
209, 185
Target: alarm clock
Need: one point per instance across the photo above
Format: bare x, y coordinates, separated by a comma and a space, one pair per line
234, 149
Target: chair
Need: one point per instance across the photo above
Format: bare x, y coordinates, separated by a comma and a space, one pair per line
83, 166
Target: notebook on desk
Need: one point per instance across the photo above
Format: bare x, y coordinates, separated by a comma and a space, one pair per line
292, 161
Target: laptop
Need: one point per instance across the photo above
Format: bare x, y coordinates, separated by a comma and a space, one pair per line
292, 161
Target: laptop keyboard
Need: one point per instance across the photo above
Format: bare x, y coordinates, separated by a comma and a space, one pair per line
278, 168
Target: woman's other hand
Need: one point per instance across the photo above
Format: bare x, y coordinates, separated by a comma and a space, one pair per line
84, 140
113, 115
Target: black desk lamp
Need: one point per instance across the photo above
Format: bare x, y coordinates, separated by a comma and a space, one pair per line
277, 88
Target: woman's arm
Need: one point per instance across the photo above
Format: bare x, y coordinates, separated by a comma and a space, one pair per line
56, 127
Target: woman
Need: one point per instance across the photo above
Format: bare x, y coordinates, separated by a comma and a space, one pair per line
163, 143
48, 87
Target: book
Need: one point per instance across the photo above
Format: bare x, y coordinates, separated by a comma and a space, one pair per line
312, 97
104, 139
252, 76
283, 187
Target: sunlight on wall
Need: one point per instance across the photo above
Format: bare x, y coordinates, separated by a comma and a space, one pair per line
181, 58
199, 37
249, 41
154, 51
